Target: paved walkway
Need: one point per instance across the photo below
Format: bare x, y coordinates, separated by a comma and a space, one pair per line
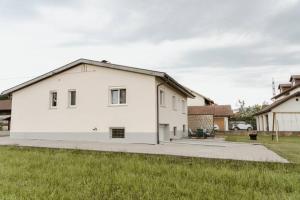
210, 148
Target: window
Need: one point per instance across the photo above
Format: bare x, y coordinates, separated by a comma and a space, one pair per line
183, 128
118, 133
72, 98
174, 103
118, 96
161, 97
183, 107
53, 99
174, 130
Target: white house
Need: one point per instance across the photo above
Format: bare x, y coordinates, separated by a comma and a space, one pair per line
203, 113
284, 113
99, 101
199, 100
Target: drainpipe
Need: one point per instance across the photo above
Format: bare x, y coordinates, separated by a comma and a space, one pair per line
157, 110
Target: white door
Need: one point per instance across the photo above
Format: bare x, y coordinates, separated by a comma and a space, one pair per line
164, 133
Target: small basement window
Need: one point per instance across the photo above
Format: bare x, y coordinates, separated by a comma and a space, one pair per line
174, 130
53, 99
118, 133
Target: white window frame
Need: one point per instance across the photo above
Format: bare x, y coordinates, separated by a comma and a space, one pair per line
110, 96
69, 98
111, 129
174, 103
183, 106
51, 98
162, 98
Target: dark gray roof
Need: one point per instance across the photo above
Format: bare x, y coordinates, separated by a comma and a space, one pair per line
172, 82
294, 77
284, 85
286, 91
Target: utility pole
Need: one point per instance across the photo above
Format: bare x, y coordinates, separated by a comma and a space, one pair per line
273, 87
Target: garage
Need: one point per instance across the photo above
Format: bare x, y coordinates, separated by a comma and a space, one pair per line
283, 115
208, 117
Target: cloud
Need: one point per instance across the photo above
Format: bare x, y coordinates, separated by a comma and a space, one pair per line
113, 21
203, 43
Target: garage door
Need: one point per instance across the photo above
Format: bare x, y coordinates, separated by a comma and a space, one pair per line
288, 121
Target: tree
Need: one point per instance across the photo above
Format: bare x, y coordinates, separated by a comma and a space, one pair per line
4, 97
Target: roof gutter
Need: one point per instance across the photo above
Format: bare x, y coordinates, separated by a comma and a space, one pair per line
157, 109
157, 112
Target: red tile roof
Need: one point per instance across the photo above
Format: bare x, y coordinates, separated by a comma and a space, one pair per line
216, 110
5, 104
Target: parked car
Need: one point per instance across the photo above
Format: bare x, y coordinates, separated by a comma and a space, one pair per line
241, 125
216, 127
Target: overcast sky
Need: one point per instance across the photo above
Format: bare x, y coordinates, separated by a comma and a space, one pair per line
226, 50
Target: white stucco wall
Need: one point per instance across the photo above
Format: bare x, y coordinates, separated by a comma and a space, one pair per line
288, 115
173, 118
289, 106
197, 101
32, 117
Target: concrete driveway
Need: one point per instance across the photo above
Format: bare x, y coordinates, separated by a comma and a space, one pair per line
210, 148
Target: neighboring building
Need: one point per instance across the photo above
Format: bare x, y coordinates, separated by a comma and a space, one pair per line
5, 110
99, 101
284, 113
205, 117
199, 100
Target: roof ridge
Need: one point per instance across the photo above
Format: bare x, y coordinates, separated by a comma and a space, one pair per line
70, 65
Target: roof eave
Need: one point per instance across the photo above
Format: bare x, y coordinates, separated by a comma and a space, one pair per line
41, 77
97, 63
275, 104
180, 87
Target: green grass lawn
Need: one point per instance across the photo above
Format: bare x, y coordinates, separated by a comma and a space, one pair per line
40, 173
287, 146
